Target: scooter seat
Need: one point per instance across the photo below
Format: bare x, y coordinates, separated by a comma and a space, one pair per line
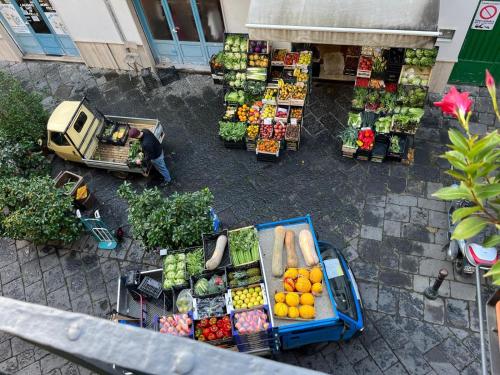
481, 256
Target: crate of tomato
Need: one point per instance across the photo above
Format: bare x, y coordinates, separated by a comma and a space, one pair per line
364, 67
214, 330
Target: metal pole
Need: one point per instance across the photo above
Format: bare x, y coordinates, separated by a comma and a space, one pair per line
432, 291
481, 328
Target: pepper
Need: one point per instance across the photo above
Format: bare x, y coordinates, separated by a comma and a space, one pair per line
219, 334
211, 336
214, 329
212, 321
206, 332
203, 323
220, 323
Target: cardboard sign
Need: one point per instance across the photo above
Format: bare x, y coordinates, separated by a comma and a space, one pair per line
486, 15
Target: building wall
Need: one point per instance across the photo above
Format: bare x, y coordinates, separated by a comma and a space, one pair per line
92, 28
8, 50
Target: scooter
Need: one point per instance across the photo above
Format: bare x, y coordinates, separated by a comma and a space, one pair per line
467, 256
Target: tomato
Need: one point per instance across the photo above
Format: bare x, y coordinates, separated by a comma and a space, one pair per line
203, 323
206, 332
211, 337
219, 334
212, 321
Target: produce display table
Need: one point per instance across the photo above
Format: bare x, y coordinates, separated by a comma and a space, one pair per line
234, 306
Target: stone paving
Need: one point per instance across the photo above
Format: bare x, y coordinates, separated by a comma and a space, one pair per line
383, 215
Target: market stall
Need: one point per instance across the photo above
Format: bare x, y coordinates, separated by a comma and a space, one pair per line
265, 93
388, 102
256, 290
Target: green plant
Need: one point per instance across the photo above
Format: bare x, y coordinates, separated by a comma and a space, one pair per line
394, 145
359, 99
21, 159
174, 222
379, 64
232, 131
349, 136
475, 162
35, 210
22, 117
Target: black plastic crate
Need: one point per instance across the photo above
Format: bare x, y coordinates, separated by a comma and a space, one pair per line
243, 268
239, 145
150, 287
363, 154
403, 145
209, 242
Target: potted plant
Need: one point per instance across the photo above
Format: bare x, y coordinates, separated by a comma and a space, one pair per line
233, 134
349, 136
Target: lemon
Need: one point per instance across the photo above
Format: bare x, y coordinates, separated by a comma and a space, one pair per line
236, 298
279, 297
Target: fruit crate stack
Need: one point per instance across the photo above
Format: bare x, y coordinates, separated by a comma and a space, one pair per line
391, 85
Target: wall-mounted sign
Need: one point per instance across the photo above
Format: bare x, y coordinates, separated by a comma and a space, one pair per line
13, 18
486, 15
56, 23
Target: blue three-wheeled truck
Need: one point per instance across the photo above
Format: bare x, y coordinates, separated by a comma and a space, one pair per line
338, 310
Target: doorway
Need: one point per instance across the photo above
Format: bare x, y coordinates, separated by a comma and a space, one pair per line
184, 32
36, 27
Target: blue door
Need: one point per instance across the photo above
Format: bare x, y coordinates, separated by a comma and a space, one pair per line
182, 31
36, 27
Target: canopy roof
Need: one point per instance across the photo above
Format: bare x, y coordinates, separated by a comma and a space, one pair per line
392, 23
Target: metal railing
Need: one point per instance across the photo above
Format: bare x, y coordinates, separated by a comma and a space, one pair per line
109, 348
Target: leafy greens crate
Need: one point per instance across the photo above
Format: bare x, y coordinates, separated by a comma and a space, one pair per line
174, 261
244, 275
209, 242
244, 246
212, 288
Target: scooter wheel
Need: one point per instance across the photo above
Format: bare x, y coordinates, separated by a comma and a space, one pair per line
458, 266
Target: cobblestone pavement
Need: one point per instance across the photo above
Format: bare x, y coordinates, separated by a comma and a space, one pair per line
383, 215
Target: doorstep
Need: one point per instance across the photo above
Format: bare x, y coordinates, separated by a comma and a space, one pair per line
68, 59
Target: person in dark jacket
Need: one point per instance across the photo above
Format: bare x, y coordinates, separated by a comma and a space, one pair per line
152, 150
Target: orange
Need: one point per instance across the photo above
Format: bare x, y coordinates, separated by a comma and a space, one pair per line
304, 272
306, 312
293, 312
289, 285
307, 299
292, 299
291, 273
303, 285
316, 275
317, 288
279, 297
280, 309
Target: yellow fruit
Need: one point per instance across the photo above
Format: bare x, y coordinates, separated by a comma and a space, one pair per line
304, 272
317, 288
280, 309
289, 285
307, 299
291, 273
303, 285
306, 312
293, 312
316, 275
292, 299
279, 297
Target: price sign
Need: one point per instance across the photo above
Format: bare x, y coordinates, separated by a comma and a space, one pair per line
293, 121
268, 121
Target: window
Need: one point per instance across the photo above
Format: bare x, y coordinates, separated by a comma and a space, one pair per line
157, 21
211, 20
58, 138
80, 121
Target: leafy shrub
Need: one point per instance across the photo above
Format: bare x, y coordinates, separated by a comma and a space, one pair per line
35, 210
21, 159
22, 117
174, 222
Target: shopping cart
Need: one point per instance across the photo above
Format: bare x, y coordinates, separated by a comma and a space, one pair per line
99, 230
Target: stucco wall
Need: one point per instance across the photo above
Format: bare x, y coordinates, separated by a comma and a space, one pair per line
454, 14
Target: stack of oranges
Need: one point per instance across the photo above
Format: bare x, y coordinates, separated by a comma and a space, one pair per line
243, 113
253, 115
303, 280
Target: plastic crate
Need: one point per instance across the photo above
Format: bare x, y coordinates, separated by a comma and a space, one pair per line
66, 176
179, 286
209, 242
107, 137
208, 275
239, 145
150, 287
244, 267
190, 315
262, 340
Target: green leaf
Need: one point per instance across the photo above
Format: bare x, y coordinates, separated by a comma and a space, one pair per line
456, 162
452, 193
461, 213
458, 140
469, 227
457, 175
487, 190
494, 273
492, 241
482, 146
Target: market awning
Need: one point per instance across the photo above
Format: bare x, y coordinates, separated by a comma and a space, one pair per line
392, 23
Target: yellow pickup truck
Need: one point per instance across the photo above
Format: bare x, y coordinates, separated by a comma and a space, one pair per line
74, 133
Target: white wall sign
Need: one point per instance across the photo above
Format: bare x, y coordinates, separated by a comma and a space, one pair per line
486, 15
56, 23
13, 18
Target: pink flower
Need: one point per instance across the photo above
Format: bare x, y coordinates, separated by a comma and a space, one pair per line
455, 103
490, 82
